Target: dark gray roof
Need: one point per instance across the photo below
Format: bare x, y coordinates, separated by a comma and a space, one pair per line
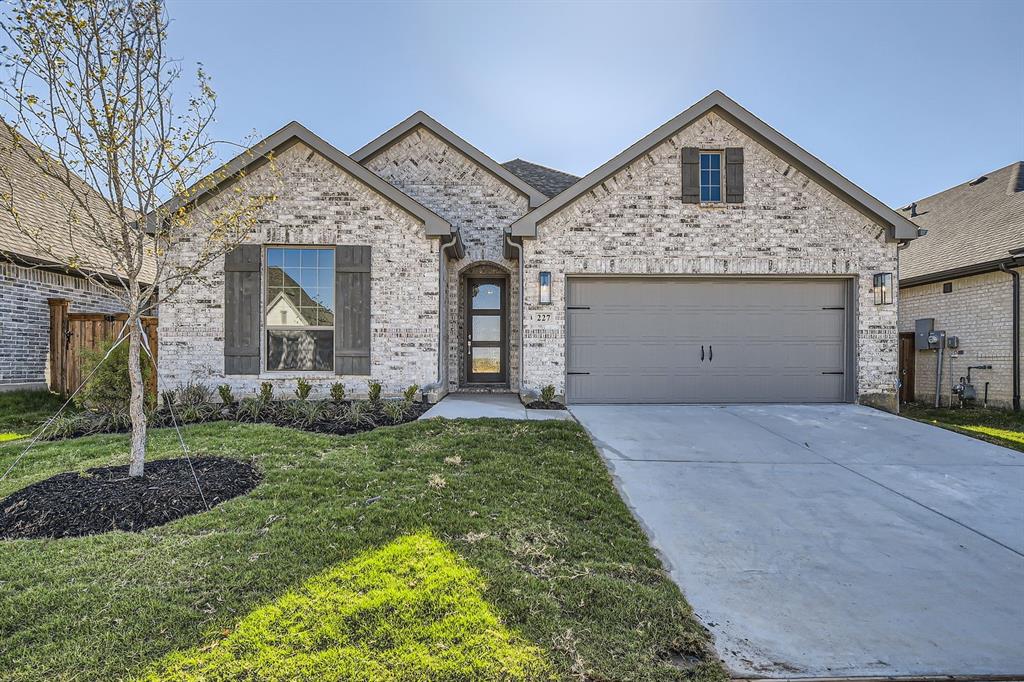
547, 180
972, 224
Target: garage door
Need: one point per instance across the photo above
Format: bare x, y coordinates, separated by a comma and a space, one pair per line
656, 340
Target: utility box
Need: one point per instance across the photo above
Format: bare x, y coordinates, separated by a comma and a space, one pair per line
922, 328
952, 342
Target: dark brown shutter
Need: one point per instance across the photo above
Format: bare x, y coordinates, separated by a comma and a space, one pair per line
734, 175
691, 175
352, 310
242, 310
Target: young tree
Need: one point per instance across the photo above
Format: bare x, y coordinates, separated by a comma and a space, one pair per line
88, 99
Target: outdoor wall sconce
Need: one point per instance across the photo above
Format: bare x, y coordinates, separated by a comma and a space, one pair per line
545, 288
883, 288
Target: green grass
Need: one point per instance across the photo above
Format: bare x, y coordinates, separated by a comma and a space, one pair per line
1001, 427
411, 606
519, 520
23, 411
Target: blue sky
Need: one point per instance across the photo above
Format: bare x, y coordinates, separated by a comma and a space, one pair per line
905, 99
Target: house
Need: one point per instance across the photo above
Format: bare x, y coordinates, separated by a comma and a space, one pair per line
712, 261
35, 253
964, 279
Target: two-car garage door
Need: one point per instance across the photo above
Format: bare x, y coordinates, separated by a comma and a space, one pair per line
726, 340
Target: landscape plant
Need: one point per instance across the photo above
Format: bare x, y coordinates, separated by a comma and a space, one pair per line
373, 389
302, 389
89, 101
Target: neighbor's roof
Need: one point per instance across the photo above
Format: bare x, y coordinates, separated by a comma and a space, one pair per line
547, 180
420, 119
44, 206
296, 132
971, 226
898, 226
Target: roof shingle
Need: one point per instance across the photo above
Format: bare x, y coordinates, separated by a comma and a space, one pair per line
548, 180
973, 223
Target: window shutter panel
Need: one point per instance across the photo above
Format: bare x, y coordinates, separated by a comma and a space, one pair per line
691, 175
242, 295
734, 175
352, 310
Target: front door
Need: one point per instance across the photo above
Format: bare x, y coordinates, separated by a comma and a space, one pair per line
486, 347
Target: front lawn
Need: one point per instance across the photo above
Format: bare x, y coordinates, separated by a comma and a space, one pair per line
23, 411
1001, 427
484, 549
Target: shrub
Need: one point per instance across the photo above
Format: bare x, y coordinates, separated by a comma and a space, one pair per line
395, 411
547, 394
226, 396
300, 414
251, 410
109, 388
337, 391
373, 391
168, 397
266, 392
114, 421
302, 389
194, 394
409, 395
359, 415
71, 426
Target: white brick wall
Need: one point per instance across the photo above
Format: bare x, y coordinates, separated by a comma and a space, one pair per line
636, 223
474, 201
25, 317
979, 310
319, 204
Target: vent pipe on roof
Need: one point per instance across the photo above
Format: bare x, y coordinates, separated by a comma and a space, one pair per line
978, 180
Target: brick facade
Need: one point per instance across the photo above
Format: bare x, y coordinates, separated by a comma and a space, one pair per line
25, 323
979, 311
476, 203
319, 203
636, 223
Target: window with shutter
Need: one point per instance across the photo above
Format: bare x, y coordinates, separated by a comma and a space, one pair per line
300, 304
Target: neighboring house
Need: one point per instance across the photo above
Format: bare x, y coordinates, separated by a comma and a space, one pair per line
30, 275
961, 275
712, 261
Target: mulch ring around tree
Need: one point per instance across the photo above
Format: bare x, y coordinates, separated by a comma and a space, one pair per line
100, 500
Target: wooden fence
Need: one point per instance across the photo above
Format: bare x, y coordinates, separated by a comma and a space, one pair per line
72, 333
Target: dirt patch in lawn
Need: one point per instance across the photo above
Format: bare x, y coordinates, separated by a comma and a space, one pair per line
100, 500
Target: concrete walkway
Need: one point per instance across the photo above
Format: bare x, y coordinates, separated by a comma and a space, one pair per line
829, 540
498, 405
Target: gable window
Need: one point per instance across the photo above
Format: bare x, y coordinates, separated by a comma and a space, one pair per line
710, 176
299, 317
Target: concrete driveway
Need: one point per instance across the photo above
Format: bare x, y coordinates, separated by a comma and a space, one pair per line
831, 540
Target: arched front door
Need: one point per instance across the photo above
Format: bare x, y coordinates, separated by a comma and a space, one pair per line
486, 330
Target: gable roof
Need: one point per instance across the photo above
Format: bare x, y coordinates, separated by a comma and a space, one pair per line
418, 119
43, 203
296, 132
548, 180
899, 227
970, 226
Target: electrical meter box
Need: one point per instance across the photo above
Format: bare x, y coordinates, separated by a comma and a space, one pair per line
952, 342
922, 328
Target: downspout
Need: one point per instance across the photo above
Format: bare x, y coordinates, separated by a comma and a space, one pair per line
1016, 332
522, 306
442, 293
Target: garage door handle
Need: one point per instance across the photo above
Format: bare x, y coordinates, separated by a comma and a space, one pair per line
702, 353
570, 372
711, 353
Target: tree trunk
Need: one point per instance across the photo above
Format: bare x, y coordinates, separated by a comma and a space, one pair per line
136, 407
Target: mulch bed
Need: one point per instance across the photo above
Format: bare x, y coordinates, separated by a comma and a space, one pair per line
541, 405
99, 500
